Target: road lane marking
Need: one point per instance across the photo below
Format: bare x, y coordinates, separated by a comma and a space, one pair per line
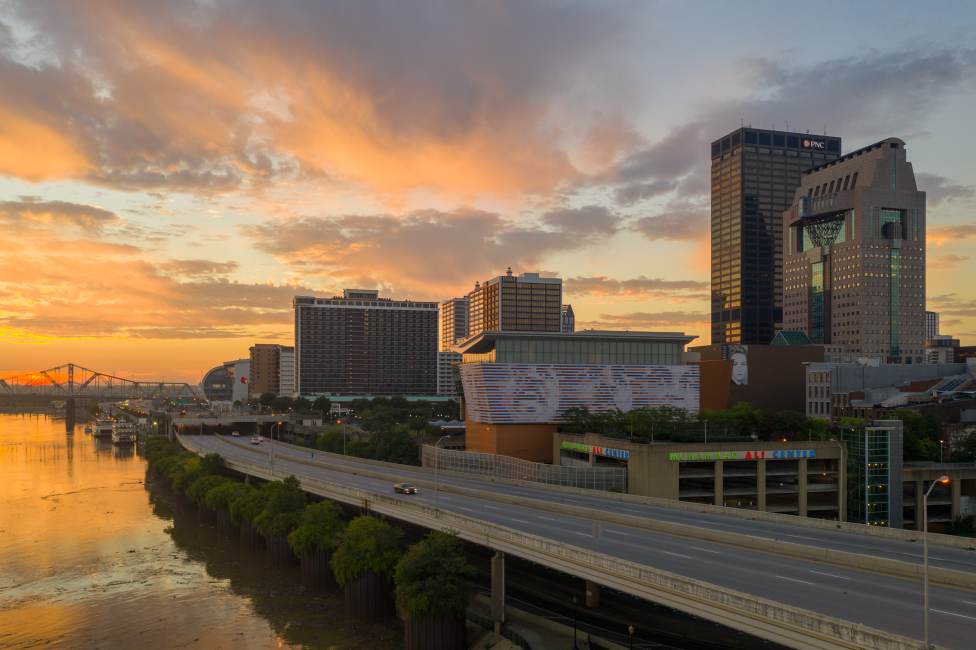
618, 532
544, 518
942, 611
521, 521
687, 557
706, 550
794, 580
799, 536
576, 532
969, 602
830, 575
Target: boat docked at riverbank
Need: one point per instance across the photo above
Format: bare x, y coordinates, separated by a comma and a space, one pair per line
123, 433
103, 429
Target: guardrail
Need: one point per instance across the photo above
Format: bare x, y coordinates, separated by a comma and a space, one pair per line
774, 546
607, 479
935, 539
777, 622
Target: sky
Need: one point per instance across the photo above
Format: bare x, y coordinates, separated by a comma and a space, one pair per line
173, 173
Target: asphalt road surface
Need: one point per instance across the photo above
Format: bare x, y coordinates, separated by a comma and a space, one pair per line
879, 601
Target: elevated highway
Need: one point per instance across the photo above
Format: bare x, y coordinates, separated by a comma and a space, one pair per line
723, 568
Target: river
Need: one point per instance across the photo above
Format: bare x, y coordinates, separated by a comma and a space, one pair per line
92, 557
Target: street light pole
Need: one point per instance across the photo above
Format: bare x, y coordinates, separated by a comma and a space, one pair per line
575, 646
437, 484
630, 632
944, 480
278, 424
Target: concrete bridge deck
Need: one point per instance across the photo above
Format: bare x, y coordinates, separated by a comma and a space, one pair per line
798, 602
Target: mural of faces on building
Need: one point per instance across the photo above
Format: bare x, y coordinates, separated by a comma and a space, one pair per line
738, 355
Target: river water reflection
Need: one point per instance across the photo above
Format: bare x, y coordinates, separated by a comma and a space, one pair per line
92, 558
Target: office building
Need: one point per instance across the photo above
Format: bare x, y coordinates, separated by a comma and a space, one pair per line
568, 320
509, 303
941, 349
361, 344
517, 386
454, 322
854, 256
754, 175
447, 373
837, 390
874, 472
227, 382
931, 324
771, 378
803, 478
269, 363
286, 372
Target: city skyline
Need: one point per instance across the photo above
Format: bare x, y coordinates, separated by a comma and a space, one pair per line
172, 176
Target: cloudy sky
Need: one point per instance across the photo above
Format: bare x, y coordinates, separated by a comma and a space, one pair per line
172, 173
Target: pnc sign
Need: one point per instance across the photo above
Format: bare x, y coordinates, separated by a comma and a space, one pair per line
814, 144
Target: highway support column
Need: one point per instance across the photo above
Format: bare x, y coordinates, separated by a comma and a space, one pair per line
719, 483
804, 495
955, 489
761, 485
592, 594
498, 590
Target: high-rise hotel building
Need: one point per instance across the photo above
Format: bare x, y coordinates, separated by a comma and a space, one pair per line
361, 344
854, 254
510, 303
754, 175
454, 322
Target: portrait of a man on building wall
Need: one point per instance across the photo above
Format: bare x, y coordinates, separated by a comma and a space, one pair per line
738, 355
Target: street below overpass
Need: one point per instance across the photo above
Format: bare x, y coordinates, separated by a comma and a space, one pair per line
879, 601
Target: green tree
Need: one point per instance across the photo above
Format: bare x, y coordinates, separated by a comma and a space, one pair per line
320, 529
282, 509
395, 445
281, 404
747, 419
576, 420
433, 578
322, 404
214, 464
248, 504
267, 399
368, 545
302, 405
223, 494
198, 489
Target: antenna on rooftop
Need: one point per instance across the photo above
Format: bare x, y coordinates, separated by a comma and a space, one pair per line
787, 125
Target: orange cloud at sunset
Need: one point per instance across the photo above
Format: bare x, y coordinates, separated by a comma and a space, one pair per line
172, 173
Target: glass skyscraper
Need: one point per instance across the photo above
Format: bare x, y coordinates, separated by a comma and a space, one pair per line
754, 175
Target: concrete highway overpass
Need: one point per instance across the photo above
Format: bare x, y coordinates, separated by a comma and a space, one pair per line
804, 584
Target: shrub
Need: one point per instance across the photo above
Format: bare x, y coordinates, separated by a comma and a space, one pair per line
433, 578
368, 545
185, 471
283, 507
223, 494
198, 489
248, 504
214, 464
320, 529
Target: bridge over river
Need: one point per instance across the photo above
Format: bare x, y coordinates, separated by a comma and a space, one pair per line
802, 583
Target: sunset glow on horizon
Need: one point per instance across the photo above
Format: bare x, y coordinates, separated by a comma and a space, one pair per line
173, 173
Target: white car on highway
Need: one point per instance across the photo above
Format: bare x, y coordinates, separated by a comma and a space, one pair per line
255, 440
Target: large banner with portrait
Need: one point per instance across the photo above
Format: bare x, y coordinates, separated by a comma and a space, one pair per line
496, 393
